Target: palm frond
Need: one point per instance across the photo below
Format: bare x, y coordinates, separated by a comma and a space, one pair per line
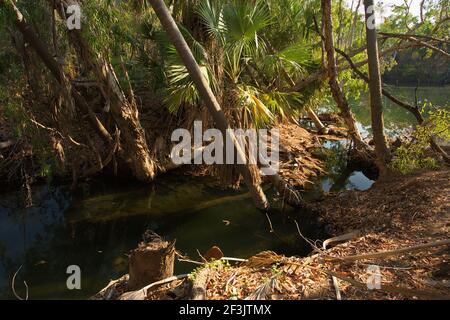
211, 14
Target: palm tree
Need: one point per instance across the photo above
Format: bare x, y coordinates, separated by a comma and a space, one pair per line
240, 60
207, 96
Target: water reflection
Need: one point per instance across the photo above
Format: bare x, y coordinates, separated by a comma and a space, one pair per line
340, 174
95, 227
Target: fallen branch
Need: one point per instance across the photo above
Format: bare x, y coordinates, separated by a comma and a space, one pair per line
345, 237
385, 254
391, 289
141, 294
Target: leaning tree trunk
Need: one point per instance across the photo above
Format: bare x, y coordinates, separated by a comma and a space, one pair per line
321, 128
208, 97
124, 112
375, 88
44, 54
336, 90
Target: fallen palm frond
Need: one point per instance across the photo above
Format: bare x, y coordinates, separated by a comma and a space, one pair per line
264, 259
266, 290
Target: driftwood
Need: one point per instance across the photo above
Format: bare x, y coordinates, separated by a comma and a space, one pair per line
143, 293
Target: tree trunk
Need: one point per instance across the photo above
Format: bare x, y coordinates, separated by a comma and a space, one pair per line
124, 112
208, 97
151, 262
375, 88
44, 54
336, 90
317, 122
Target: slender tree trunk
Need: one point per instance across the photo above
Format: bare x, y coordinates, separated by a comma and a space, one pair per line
336, 90
353, 25
207, 95
375, 88
44, 54
413, 110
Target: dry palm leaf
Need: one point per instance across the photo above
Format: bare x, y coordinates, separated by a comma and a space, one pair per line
264, 259
266, 290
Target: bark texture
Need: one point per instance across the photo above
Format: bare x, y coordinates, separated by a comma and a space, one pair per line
124, 112
150, 262
336, 90
375, 88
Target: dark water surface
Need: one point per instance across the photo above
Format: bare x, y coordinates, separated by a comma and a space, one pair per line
96, 226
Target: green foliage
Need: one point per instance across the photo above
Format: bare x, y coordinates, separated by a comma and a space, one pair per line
414, 156
214, 265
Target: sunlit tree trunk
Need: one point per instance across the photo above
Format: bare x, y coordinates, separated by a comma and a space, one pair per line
317, 122
336, 90
207, 96
124, 112
375, 88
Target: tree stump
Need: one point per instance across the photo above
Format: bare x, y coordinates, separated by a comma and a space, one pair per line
152, 261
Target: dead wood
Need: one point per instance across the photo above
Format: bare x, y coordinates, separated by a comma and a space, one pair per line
386, 254
151, 262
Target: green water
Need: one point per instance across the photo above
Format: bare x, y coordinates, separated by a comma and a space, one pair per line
96, 227
397, 120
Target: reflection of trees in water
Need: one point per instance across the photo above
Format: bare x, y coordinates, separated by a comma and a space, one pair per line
29, 232
396, 118
101, 236
340, 168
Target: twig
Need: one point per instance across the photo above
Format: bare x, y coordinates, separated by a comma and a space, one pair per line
203, 258
234, 259
270, 223
191, 261
333, 278
13, 285
315, 248
232, 278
